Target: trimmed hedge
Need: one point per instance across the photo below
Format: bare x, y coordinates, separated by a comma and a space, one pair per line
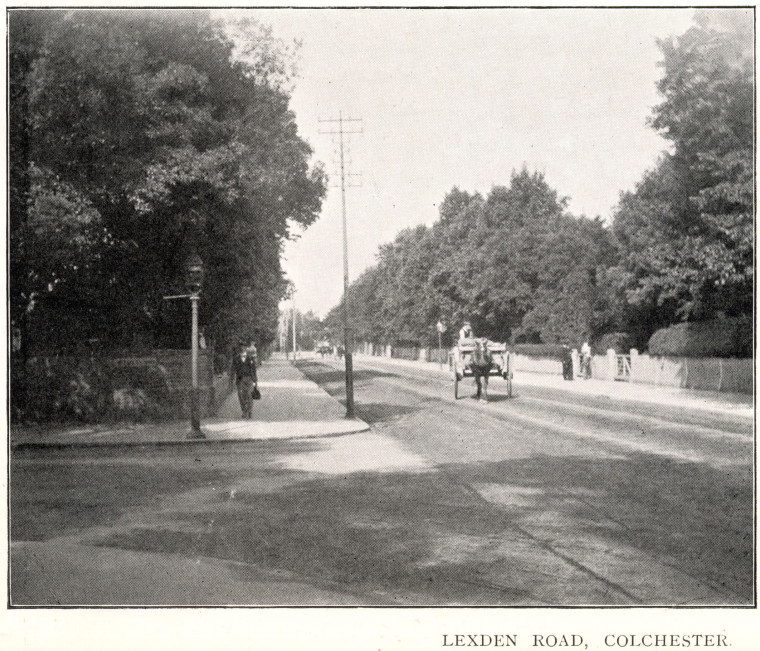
405, 352
731, 337
552, 351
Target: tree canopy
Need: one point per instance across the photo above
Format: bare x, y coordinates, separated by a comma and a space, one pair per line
686, 231
520, 267
137, 137
516, 264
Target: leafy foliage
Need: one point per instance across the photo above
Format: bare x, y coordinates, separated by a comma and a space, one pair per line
686, 232
310, 330
620, 342
521, 268
140, 137
516, 264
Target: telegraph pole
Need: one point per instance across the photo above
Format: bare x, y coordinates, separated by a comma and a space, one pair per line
283, 328
347, 338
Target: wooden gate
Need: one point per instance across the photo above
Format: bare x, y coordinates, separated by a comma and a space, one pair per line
623, 368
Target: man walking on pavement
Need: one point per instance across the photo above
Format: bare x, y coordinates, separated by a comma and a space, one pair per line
244, 373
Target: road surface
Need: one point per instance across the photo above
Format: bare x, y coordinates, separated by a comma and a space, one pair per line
548, 498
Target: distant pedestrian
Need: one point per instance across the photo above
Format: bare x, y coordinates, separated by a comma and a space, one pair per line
243, 372
567, 362
586, 360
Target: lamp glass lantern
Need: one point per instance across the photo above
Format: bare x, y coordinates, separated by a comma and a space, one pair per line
194, 272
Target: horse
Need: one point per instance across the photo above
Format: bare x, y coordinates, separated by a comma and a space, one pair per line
481, 363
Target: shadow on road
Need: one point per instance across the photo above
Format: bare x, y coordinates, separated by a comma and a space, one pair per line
695, 516
475, 533
428, 537
60, 492
371, 413
379, 412
323, 374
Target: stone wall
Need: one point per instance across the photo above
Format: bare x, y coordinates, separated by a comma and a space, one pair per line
213, 389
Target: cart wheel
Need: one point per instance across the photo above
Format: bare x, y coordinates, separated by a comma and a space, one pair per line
456, 386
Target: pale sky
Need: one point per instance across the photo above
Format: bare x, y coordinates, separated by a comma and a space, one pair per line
460, 97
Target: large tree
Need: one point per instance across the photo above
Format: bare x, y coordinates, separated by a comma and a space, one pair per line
686, 232
516, 264
143, 135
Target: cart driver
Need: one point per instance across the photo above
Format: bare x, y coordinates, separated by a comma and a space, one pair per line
466, 331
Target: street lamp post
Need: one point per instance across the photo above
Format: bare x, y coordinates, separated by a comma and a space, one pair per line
194, 278
194, 282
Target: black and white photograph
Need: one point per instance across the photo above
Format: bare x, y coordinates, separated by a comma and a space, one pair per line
339, 309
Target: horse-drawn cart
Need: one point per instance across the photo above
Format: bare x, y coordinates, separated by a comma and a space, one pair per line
480, 358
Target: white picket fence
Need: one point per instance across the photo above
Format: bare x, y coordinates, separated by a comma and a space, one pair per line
707, 374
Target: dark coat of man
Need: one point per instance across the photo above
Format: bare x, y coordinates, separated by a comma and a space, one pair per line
243, 371
244, 366
567, 362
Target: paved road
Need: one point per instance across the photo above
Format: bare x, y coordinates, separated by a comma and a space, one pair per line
544, 499
591, 500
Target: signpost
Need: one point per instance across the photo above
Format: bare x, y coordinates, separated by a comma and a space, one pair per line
441, 329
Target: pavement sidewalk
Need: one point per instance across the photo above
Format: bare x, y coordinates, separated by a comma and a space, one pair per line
291, 406
734, 404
